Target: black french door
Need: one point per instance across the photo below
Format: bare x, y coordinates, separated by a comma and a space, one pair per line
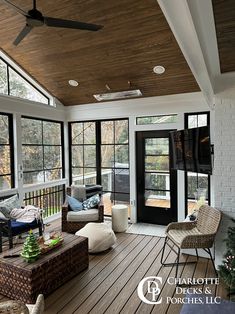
156, 182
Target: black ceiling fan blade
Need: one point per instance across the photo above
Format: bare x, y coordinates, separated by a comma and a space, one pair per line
22, 34
19, 10
53, 22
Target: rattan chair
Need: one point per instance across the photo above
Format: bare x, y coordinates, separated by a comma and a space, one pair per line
74, 226
18, 307
199, 234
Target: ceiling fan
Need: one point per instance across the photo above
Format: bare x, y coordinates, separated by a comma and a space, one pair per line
34, 18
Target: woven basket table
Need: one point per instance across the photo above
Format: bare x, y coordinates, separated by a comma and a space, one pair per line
25, 281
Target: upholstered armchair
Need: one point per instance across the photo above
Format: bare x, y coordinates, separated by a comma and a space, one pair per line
73, 221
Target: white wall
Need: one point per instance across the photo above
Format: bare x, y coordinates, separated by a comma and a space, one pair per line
224, 169
178, 104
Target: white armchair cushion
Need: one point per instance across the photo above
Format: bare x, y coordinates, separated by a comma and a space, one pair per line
100, 236
83, 215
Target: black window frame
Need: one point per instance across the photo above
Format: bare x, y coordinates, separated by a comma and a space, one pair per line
11, 147
98, 145
186, 116
61, 123
25, 79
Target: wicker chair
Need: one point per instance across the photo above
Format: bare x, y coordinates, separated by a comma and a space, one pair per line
199, 234
74, 226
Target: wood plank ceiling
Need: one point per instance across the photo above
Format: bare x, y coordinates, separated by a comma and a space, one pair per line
135, 38
224, 13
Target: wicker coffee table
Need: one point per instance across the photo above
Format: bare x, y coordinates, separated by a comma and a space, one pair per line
24, 281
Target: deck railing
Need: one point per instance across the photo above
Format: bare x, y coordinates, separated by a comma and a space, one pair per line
50, 199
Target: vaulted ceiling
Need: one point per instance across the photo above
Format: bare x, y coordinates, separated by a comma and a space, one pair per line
224, 13
135, 38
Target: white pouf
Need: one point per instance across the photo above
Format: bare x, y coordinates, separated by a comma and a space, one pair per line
100, 236
119, 218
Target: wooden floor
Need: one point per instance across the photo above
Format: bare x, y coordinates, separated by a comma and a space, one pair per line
110, 283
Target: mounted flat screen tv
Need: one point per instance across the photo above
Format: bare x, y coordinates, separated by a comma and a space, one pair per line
191, 150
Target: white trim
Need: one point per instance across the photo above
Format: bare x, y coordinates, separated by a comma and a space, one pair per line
10, 104
44, 185
179, 18
8, 192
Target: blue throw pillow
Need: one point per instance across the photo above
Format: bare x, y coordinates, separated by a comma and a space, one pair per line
91, 202
74, 204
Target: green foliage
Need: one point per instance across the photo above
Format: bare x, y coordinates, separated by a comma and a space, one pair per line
227, 269
31, 249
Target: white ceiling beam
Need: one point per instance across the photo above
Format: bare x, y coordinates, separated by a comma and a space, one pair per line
179, 18
203, 17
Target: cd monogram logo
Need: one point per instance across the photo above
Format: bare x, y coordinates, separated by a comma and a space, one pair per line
152, 289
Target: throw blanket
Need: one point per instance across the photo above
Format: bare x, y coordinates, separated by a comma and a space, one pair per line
26, 214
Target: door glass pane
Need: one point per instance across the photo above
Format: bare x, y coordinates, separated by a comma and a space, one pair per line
157, 146
159, 181
157, 199
107, 132
158, 163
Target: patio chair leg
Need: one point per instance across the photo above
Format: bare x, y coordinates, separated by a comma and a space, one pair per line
209, 252
177, 263
163, 250
196, 253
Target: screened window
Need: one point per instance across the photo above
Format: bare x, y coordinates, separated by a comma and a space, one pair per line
100, 155
13, 84
6, 152
42, 150
156, 119
84, 153
197, 184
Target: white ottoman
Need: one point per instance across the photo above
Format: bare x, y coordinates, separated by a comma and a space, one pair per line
119, 218
100, 236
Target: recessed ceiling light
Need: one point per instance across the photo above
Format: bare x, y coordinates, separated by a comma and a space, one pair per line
159, 69
73, 83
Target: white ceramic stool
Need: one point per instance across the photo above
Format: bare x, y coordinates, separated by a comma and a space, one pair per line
119, 218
